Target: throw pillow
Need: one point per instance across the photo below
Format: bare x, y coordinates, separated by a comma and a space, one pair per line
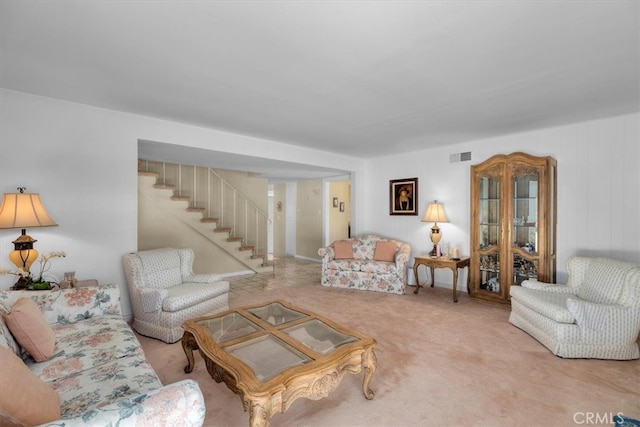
29, 327
385, 251
343, 249
26, 399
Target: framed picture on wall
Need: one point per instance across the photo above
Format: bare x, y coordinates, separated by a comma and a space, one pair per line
403, 196
335, 202
341, 206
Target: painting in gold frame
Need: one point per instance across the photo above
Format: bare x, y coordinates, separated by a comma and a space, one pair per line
403, 196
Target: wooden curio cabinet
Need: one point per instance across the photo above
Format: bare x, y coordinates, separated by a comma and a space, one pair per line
513, 224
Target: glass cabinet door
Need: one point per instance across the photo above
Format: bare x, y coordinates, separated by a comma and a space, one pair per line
490, 230
489, 212
513, 224
524, 225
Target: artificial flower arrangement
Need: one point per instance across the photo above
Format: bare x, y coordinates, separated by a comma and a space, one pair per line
41, 281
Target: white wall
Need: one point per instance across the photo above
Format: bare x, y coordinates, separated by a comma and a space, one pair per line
290, 218
598, 189
83, 162
309, 216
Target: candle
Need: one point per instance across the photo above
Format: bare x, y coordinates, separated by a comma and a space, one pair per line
455, 252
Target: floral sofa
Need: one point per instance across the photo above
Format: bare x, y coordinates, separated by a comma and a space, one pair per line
97, 368
367, 262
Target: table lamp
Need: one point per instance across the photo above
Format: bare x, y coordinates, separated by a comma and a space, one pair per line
435, 214
23, 210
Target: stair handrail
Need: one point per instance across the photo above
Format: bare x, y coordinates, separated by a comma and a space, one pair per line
225, 185
239, 193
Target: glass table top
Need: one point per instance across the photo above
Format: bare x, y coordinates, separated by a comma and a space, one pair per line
276, 313
267, 356
318, 336
229, 327
282, 344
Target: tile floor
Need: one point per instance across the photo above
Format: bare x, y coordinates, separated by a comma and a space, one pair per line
289, 271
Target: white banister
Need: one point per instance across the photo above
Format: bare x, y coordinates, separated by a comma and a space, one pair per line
221, 200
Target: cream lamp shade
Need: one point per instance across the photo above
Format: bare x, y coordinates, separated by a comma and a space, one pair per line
23, 210
435, 213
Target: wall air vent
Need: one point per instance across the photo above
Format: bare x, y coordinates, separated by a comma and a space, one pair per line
460, 157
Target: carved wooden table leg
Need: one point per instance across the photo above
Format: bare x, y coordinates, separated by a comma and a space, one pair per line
260, 413
432, 269
188, 345
455, 284
369, 362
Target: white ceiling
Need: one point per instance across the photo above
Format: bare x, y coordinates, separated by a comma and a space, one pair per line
353, 77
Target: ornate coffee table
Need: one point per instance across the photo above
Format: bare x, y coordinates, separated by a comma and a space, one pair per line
273, 353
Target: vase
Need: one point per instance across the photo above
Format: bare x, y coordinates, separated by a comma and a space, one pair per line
69, 280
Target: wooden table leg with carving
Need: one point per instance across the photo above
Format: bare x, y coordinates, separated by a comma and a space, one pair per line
415, 275
260, 413
455, 283
188, 345
369, 363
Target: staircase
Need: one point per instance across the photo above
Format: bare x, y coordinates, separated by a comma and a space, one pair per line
210, 228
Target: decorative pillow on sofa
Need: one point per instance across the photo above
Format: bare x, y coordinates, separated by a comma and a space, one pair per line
29, 327
25, 399
343, 249
385, 251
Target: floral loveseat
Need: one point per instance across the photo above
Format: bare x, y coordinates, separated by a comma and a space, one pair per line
98, 369
366, 262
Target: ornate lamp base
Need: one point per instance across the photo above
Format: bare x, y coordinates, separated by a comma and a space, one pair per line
20, 284
435, 236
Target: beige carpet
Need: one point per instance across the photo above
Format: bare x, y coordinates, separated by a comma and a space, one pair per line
439, 364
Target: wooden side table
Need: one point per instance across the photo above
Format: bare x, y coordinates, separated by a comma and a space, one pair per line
441, 262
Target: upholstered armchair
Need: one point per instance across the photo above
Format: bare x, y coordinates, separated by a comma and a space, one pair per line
164, 292
595, 315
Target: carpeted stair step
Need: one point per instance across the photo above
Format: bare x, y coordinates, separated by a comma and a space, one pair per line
195, 209
164, 186
251, 260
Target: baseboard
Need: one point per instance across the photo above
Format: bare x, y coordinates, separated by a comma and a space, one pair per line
308, 259
237, 273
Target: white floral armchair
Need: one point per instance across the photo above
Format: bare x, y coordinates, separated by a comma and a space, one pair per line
595, 315
164, 292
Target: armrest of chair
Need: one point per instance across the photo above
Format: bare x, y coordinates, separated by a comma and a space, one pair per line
548, 287
327, 254
203, 278
180, 403
402, 256
152, 298
623, 322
